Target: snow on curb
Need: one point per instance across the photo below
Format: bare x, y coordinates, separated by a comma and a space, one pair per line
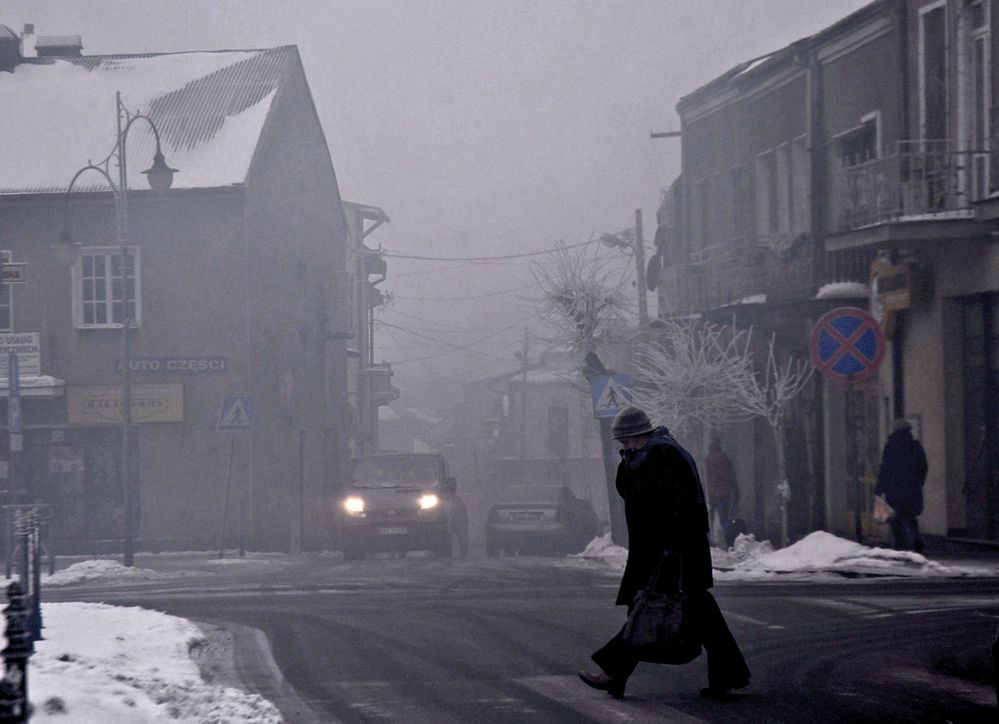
101, 664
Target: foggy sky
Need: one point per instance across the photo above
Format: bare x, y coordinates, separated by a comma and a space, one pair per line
481, 128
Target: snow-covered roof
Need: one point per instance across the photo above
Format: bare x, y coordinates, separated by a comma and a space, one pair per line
59, 113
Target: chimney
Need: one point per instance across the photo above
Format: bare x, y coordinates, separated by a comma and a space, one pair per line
54, 46
10, 49
28, 41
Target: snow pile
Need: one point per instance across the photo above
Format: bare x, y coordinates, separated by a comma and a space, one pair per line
823, 552
603, 550
101, 664
94, 569
817, 555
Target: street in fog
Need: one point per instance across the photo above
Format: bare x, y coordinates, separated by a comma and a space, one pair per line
422, 640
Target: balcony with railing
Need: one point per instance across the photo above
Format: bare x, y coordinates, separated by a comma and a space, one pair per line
921, 181
737, 276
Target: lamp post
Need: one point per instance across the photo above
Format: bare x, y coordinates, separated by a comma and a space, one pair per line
160, 177
633, 239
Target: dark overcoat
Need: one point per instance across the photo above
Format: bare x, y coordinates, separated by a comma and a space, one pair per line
665, 511
902, 473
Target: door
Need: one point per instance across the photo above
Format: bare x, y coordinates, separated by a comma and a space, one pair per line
980, 330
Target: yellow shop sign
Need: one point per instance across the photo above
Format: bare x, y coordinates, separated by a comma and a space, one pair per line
101, 404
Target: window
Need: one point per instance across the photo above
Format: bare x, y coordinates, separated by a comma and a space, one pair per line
975, 97
766, 194
800, 186
933, 71
6, 311
104, 296
784, 194
742, 202
859, 145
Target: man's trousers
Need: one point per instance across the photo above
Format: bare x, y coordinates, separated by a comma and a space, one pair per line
726, 666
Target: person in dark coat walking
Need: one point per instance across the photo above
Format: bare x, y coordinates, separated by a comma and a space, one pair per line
723, 488
665, 511
900, 481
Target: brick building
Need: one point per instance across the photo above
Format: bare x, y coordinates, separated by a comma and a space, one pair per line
235, 279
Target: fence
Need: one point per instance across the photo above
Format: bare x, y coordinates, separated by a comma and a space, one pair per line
23, 526
922, 179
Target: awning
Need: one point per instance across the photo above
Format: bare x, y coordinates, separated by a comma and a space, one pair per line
40, 386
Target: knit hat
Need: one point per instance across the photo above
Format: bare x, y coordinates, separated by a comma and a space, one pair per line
630, 422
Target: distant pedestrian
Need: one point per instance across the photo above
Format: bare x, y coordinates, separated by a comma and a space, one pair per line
665, 512
900, 481
723, 488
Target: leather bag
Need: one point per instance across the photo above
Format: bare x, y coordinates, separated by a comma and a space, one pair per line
659, 627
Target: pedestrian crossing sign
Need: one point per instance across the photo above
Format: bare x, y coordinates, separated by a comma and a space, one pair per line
611, 394
236, 413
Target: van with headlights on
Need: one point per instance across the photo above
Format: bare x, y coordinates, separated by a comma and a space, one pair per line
397, 502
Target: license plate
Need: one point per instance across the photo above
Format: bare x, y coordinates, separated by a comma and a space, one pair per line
526, 515
394, 530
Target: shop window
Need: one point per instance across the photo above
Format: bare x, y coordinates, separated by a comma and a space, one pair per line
106, 288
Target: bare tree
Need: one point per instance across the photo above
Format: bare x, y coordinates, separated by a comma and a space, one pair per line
695, 375
769, 395
581, 301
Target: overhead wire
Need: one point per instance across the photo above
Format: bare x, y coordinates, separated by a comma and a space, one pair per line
466, 347
501, 257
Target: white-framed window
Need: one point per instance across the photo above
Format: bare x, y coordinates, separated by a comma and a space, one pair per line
6, 300
975, 95
106, 289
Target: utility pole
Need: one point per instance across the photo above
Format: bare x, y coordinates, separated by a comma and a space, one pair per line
523, 397
643, 302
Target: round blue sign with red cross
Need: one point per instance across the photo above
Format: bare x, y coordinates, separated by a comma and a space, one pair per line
847, 344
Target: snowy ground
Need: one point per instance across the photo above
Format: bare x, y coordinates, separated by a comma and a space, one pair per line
105, 664
117, 665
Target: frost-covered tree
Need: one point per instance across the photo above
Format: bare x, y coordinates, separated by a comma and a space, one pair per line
694, 375
582, 301
769, 395
700, 376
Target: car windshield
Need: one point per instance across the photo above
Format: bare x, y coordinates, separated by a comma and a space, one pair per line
530, 494
400, 471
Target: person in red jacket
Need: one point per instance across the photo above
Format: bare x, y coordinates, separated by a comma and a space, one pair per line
723, 488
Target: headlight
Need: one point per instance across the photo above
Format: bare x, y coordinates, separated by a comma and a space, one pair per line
354, 505
429, 501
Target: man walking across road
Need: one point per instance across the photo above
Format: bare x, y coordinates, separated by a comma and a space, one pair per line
665, 511
900, 481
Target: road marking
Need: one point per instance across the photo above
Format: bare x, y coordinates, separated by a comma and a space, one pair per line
570, 692
749, 619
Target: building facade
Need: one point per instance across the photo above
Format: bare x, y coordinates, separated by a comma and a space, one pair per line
856, 168
233, 280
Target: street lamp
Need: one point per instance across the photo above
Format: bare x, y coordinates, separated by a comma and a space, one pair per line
160, 178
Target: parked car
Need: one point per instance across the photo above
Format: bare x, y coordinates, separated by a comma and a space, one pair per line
539, 519
397, 502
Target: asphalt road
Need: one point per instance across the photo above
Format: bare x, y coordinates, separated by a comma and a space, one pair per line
499, 640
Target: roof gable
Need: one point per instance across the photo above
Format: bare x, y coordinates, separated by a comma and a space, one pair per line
210, 109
